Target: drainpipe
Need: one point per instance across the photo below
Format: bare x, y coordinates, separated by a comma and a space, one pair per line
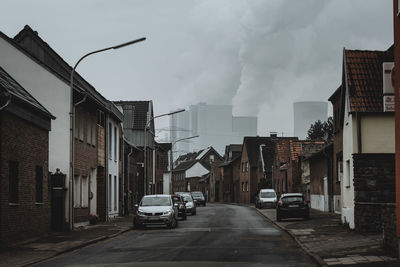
128, 171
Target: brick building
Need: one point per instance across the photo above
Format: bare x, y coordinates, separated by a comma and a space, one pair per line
25, 198
197, 172
162, 152
230, 174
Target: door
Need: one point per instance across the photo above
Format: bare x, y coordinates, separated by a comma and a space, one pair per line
326, 201
93, 191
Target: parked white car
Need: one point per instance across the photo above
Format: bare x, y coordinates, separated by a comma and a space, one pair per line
156, 210
266, 198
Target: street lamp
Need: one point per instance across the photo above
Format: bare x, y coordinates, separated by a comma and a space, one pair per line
171, 164
72, 121
145, 146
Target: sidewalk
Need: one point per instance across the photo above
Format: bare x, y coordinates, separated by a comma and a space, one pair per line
56, 243
325, 239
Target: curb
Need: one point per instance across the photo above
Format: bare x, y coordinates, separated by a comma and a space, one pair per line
314, 256
82, 245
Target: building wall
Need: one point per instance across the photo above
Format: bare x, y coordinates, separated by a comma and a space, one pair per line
85, 162
374, 184
318, 176
378, 133
113, 160
244, 180
28, 145
349, 147
54, 95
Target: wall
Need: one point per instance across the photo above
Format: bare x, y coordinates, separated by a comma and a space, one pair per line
21, 141
374, 185
53, 94
349, 147
113, 166
378, 133
244, 196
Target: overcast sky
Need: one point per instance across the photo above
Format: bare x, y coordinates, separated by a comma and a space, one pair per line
259, 56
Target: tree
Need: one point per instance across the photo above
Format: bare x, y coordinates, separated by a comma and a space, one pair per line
321, 130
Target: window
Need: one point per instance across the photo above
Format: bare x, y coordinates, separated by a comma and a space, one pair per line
94, 134
247, 187
81, 127
109, 140
115, 144
115, 193
340, 170
39, 184
85, 192
89, 132
77, 191
347, 181
243, 187
247, 166
109, 191
13, 181
211, 158
100, 118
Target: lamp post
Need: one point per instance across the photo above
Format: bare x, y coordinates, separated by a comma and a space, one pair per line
72, 122
171, 164
145, 146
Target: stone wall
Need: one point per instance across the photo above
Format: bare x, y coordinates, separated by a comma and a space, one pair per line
374, 187
389, 238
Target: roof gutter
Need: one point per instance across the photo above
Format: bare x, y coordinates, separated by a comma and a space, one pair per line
7, 103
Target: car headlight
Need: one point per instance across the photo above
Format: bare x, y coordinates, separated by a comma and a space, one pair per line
262, 201
168, 212
188, 205
140, 212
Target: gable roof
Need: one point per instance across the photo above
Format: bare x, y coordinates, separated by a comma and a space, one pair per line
30, 43
15, 90
252, 144
363, 78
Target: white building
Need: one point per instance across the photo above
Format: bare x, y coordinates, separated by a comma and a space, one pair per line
214, 124
307, 113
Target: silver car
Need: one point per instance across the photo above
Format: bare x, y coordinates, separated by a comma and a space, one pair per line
156, 210
189, 203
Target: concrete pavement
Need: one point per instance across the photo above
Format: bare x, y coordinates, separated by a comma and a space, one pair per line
325, 239
56, 243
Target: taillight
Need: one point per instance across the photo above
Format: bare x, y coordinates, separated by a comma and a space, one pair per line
181, 206
280, 203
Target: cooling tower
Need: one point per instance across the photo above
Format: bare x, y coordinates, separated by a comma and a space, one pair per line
306, 113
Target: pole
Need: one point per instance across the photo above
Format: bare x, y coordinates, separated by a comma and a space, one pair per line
145, 144
72, 125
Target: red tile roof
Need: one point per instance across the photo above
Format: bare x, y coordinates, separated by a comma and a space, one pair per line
364, 78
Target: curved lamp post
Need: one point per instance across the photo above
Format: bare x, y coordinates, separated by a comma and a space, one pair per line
172, 159
72, 122
146, 180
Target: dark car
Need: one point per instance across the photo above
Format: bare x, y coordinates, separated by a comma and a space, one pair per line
292, 205
198, 198
178, 199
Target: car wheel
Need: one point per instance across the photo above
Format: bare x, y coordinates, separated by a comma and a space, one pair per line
184, 217
204, 204
307, 216
193, 213
173, 224
278, 217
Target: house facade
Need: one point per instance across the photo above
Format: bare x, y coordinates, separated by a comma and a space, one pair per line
229, 172
25, 198
368, 139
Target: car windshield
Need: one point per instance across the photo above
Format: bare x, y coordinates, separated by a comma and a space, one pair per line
292, 199
267, 194
156, 201
187, 198
197, 194
176, 199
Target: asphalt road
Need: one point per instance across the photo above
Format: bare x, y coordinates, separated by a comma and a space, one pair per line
219, 235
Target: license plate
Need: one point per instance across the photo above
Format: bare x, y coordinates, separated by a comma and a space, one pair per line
293, 206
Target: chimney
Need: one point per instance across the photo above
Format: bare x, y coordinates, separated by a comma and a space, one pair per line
273, 134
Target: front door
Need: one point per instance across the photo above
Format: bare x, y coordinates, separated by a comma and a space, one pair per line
93, 191
326, 201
